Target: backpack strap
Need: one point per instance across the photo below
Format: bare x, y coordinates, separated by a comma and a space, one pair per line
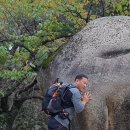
63, 114
65, 91
68, 88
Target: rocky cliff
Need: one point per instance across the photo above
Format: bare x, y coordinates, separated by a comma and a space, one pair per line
102, 51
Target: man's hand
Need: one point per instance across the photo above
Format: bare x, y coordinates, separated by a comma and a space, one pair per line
86, 98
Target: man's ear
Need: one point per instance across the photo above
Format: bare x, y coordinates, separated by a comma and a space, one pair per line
77, 80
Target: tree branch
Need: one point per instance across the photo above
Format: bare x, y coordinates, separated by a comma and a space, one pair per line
88, 16
20, 101
18, 44
13, 50
14, 88
76, 12
6, 38
57, 37
25, 27
21, 45
102, 6
27, 98
28, 86
35, 25
20, 21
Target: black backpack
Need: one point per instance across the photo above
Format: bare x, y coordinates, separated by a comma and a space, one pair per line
53, 101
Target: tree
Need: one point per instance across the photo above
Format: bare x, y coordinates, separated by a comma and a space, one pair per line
32, 32
31, 35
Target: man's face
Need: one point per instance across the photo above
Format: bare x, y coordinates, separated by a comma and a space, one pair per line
81, 84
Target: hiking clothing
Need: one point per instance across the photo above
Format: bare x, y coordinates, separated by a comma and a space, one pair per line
74, 97
53, 124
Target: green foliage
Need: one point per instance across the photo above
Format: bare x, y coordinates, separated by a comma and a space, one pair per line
13, 75
42, 54
29, 30
16, 74
107, 8
3, 55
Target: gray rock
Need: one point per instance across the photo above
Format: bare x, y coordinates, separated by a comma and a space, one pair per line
101, 51
30, 117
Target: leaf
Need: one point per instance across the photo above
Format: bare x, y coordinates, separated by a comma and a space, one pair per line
41, 55
13, 75
27, 25
3, 55
119, 7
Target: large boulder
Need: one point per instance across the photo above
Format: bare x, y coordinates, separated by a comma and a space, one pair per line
30, 117
101, 51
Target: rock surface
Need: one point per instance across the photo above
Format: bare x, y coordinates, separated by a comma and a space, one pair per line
102, 51
30, 117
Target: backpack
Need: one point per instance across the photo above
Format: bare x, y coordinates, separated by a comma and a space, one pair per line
53, 101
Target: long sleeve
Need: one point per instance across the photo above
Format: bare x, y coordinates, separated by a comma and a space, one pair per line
76, 99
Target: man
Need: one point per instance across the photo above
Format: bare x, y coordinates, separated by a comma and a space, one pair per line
76, 102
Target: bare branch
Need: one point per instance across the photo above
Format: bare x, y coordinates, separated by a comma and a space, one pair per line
25, 27
21, 45
35, 25
89, 13
19, 102
5, 40
27, 98
73, 12
13, 88
102, 6
28, 86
